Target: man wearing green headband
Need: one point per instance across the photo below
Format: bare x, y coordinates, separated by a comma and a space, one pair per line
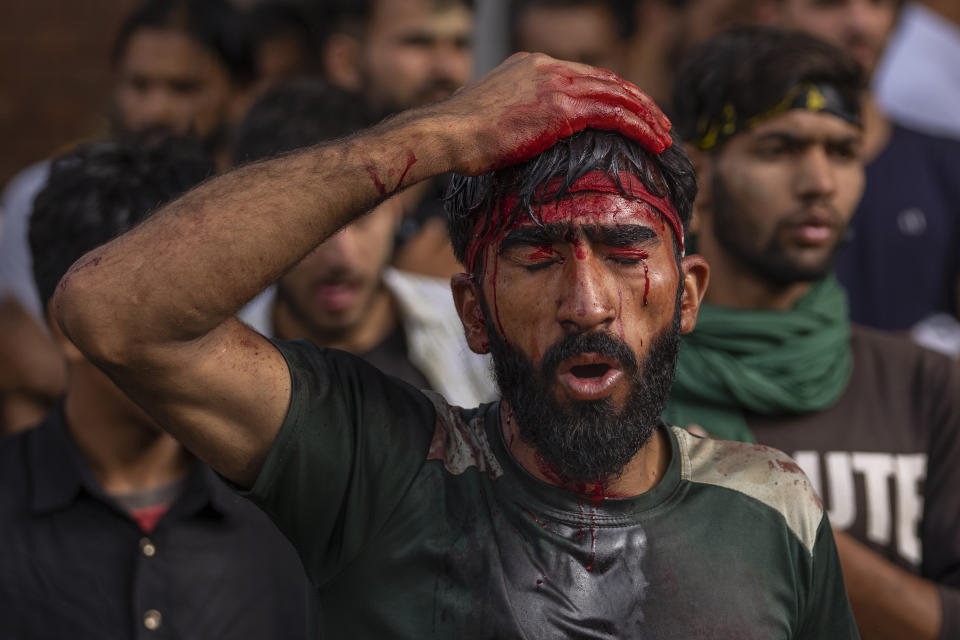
772, 119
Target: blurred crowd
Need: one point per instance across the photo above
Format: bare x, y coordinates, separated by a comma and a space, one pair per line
141, 538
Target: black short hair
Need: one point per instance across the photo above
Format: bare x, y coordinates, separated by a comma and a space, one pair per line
98, 191
469, 200
295, 114
749, 70
214, 24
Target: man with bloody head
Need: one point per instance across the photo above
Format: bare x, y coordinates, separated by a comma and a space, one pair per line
567, 508
773, 119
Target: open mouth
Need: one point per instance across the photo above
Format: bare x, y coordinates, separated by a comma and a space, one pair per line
590, 370
336, 296
589, 376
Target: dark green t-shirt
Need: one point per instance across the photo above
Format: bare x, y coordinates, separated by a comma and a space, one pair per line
414, 521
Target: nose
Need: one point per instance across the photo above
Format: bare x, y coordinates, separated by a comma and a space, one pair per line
815, 177
342, 248
858, 16
157, 108
586, 297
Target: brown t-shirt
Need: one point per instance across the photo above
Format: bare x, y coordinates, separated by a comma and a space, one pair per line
886, 458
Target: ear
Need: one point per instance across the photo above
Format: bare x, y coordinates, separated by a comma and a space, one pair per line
703, 167
341, 61
466, 297
696, 277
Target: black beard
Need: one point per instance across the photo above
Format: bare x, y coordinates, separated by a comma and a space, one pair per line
770, 262
585, 442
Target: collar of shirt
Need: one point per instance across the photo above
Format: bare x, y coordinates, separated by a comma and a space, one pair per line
59, 477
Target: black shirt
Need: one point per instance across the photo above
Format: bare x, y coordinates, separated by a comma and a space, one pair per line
74, 565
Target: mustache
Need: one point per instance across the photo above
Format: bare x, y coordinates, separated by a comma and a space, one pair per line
603, 344
822, 211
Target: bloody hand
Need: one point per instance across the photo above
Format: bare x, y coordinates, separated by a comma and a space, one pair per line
530, 101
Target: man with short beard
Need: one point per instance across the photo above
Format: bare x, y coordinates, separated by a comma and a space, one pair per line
774, 121
567, 509
403, 54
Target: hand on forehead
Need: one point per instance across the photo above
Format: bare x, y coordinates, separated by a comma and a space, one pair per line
528, 103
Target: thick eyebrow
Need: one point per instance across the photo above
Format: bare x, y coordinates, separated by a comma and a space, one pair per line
802, 141
534, 236
621, 235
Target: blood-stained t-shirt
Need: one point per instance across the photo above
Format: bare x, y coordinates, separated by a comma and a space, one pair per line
886, 458
414, 521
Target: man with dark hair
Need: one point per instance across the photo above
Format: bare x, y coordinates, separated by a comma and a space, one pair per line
906, 230
401, 54
345, 294
593, 32
110, 528
567, 509
773, 119
183, 67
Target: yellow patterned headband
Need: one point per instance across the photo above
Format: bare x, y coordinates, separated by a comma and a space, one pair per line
809, 96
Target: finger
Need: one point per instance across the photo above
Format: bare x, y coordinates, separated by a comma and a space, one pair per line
624, 121
564, 68
590, 113
613, 92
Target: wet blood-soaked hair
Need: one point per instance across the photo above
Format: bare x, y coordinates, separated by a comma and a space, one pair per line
472, 203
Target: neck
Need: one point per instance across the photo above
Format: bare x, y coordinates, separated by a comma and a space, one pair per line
376, 323
124, 450
640, 475
876, 129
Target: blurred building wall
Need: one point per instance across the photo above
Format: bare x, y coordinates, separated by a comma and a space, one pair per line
55, 75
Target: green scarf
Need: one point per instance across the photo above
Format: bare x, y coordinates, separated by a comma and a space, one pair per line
764, 362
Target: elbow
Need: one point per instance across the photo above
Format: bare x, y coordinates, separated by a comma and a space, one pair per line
87, 318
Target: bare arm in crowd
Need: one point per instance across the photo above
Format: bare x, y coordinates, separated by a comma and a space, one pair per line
154, 308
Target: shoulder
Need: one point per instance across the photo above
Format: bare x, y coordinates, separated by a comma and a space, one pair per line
329, 386
317, 370
13, 456
885, 353
915, 151
22, 461
761, 473
905, 137
460, 438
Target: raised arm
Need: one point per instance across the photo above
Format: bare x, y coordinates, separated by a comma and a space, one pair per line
154, 308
